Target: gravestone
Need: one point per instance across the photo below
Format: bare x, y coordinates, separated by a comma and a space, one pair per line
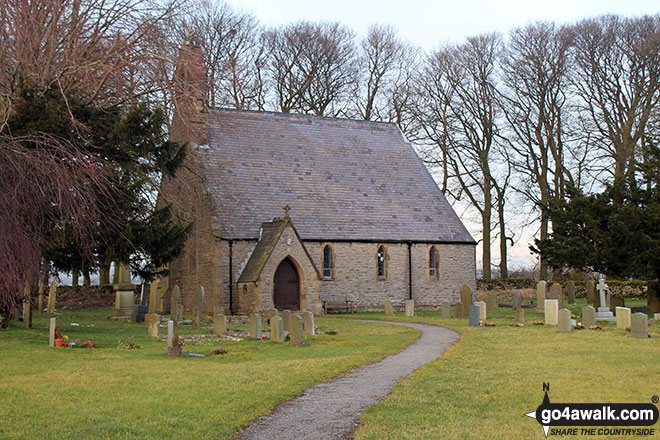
466, 298
474, 316
269, 313
170, 332
541, 290
458, 310
52, 298
255, 326
517, 301
389, 311
482, 309
556, 293
520, 316
124, 294
410, 307
286, 320
296, 331
564, 324
623, 317
640, 326
51, 332
153, 296
153, 324
219, 324
198, 308
551, 310
492, 300
589, 288
656, 317
603, 313
446, 309
174, 304
616, 301
588, 316
570, 292
141, 309
276, 332
308, 319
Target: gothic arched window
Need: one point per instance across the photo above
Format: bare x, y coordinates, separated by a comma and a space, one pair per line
327, 261
380, 261
433, 263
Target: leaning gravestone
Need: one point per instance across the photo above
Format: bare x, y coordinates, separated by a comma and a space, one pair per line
198, 308
52, 298
51, 332
492, 300
541, 288
286, 320
219, 324
389, 310
153, 324
308, 320
255, 326
458, 310
564, 324
640, 326
482, 309
588, 316
410, 307
551, 310
446, 308
570, 291
556, 293
474, 316
466, 298
590, 289
296, 331
276, 332
623, 317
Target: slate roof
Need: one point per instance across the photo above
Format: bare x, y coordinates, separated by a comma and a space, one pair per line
344, 179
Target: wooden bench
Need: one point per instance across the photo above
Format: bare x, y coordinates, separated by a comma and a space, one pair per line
339, 306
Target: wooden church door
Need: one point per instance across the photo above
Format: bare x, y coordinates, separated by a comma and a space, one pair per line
286, 292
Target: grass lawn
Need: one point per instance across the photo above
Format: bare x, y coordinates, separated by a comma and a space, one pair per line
482, 386
110, 392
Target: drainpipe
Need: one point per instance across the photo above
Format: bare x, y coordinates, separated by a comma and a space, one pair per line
231, 277
410, 270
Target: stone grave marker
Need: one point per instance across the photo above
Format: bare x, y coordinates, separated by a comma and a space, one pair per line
153, 296
296, 331
466, 298
308, 319
389, 310
656, 317
52, 297
446, 309
492, 300
410, 307
541, 288
603, 313
170, 332
623, 317
124, 294
153, 324
276, 331
474, 315
520, 316
590, 289
286, 320
255, 326
51, 332
458, 310
570, 292
551, 310
141, 309
198, 308
482, 309
616, 301
517, 301
557, 293
588, 316
219, 324
640, 325
564, 321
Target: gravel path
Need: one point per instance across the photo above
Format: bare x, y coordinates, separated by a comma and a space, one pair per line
332, 410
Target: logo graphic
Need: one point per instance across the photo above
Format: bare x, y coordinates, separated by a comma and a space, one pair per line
595, 414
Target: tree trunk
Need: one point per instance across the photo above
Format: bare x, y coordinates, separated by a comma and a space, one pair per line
86, 278
104, 274
115, 275
485, 256
543, 264
75, 277
504, 270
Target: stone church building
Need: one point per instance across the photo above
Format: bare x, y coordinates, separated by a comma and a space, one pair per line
291, 210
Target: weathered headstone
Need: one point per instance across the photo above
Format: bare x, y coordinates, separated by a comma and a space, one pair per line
557, 293
570, 292
656, 317
458, 310
517, 301
551, 310
153, 324
296, 331
520, 316
492, 300
51, 332
541, 290
140, 310
198, 308
590, 289
588, 316
410, 307
474, 316
124, 294
174, 303
482, 309
446, 309
623, 317
286, 320
564, 324
255, 326
153, 296
308, 319
219, 324
389, 310
276, 331
170, 332
52, 298
640, 326
466, 298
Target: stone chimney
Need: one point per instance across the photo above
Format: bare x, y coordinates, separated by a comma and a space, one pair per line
191, 91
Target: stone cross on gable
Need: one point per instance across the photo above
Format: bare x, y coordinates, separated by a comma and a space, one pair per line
602, 288
287, 208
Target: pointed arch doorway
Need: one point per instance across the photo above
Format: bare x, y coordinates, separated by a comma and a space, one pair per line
286, 286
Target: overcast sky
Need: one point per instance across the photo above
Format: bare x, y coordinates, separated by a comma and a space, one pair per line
429, 23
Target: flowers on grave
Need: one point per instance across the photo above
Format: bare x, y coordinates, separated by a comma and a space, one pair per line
579, 326
219, 351
486, 324
596, 327
86, 345
538, 323
130, 346
573, 315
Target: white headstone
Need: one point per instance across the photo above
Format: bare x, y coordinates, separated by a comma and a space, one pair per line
51, 332
551, 307
482, 309
170, 332
623, 317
